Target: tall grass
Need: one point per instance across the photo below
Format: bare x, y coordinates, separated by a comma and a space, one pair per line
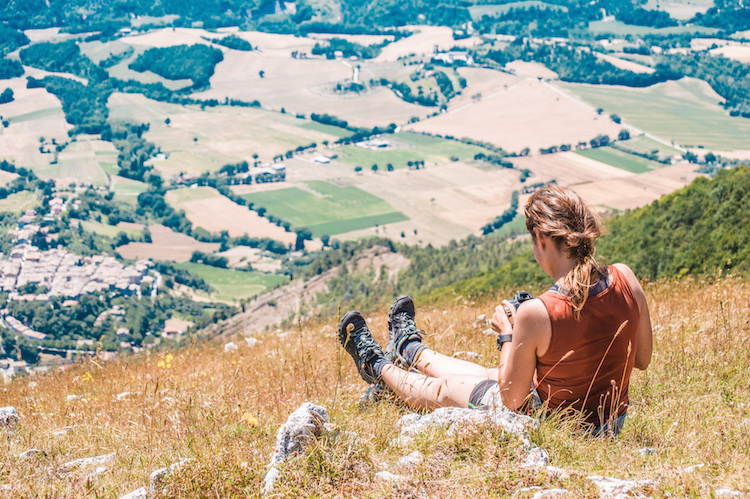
223, 410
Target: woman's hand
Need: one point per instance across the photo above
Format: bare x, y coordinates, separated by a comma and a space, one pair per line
501, 322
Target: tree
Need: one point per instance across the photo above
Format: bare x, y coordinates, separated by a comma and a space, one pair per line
325, 239
623, 135
389, 167
615, 118
261, 73
6, 96
167, 121
374, 167
357, 169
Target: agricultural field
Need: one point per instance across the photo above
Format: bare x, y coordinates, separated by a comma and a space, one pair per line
685, 112
527, 69
404, 147
126, 189
7, 177
242, 256
34, 113
85, 160
325, 208
206, 208
618, 28
619, 159
305, 86
739, 53
624, 64
680, 9
567, 168
637, 190
19, 202
108, 230
233, 285
424, 41
196, 141
166, 245
529, 114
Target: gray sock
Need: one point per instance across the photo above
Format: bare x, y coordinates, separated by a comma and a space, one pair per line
412, 350
378, 364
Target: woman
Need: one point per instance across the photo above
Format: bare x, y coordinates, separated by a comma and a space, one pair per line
575, 345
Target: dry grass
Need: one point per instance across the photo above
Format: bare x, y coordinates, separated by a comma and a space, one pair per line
223, 411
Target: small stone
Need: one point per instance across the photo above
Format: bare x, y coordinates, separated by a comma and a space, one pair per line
727, 493
87, 461
412, 459
536, 458
141, 493
71, 398
614, 487
158, 476
8, 417
550, 494
387, 476
30, 453
251, 342
123, 395
230, 347
647, 451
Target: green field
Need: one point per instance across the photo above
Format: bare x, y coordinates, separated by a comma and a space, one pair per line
19, 202
416, 147
478, 11
644, 145
622, 29
108, 230
684, 112
233, 285
325, 208
35, 115
619, 159
329, 129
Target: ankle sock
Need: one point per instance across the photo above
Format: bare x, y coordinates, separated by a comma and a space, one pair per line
378, 364
412, 350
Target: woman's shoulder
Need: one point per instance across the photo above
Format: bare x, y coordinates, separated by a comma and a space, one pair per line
631, 278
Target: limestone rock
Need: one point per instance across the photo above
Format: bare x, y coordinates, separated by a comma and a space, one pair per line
8, 417
302, 426
158, 476
412, 459
387, 476
85, 462
30, 453
230, 347
614, 488
141, 493
251, 342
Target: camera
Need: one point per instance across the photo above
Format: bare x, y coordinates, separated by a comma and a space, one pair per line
515, 302
520, 297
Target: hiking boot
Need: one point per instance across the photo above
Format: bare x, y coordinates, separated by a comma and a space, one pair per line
401, 330
374, 394
358, 342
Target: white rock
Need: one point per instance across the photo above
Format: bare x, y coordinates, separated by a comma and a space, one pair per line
412, 459
251, 342
8, 417
647, 451
614, 488
230, 347
302, 426
387, 476
88, 461
536, 458
727, 493
71, 398
550, 494
690, 469
29, 453
123, 395
158, 476
141, 493
455, 419
100, 470
32, 384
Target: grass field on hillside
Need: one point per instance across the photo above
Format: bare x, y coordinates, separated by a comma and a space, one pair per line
19, 202
329, 129
233, 285
621, 29
108, 230
409, 147
685, 434
325, 208
625, 161
644, 144
685, 112
34, 115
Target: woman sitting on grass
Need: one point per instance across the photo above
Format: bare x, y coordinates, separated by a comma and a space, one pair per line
575, 345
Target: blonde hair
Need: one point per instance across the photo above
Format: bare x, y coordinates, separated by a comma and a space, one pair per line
560, 214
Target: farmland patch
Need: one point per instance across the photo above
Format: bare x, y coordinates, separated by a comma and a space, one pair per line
233, 285
166, 245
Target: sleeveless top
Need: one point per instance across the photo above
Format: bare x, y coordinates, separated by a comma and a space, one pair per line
587, 365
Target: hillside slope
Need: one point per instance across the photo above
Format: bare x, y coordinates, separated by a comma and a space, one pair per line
686, 430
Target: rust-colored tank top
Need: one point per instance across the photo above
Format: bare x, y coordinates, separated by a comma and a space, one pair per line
594, 377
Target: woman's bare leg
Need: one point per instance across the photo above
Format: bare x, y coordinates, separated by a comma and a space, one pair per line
426, 392
438, 365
